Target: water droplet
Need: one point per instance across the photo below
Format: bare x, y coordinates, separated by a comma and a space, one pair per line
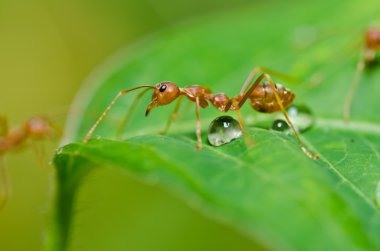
301, 117
280, 125
222, 130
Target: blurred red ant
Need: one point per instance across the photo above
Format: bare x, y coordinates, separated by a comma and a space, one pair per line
371, 46
266, 97
35, 128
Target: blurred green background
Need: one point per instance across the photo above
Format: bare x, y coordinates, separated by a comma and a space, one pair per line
47, 49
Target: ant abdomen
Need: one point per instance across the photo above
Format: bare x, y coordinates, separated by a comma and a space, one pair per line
263, 98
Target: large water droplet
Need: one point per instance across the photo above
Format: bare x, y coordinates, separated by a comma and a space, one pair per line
222, 130
280, 125
301, 117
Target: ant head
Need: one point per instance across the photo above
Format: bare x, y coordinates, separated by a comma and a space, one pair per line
164, 93
372, 38
372, 44
40, 127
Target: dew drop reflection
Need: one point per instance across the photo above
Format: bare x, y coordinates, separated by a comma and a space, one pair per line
223, 130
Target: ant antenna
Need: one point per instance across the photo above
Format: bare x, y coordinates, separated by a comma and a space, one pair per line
132, 108
104, 114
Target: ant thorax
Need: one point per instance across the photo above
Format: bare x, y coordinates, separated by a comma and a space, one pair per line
195, 91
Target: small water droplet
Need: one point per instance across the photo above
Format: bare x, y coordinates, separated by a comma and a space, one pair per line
280, 125
301, 117
222, 130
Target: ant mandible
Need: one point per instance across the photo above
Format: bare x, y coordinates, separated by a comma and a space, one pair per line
266, 97
34, 128
371, 46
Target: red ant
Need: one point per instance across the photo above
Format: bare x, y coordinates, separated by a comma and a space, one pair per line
371, 46
34, 129
265, 97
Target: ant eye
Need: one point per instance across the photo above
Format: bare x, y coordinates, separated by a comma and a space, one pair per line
162, 88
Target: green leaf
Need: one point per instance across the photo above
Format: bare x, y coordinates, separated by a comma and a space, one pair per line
271, 191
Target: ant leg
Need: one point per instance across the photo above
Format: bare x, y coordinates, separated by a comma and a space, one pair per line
198, 131
5, 186
247, 138
3, 126
246, 94
303, 148
258, 69
250, 77
89, 134
354, 86
172, 116
251, 89
125, 121
237, 106
57, 130
40, 153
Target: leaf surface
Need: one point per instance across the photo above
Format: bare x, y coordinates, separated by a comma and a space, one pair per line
271, 191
